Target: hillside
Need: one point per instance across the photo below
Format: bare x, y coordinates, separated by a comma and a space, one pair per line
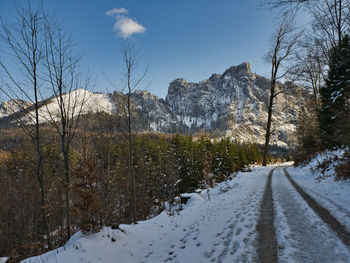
229, 226
232, 104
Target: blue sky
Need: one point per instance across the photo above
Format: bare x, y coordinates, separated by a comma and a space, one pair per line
183, 38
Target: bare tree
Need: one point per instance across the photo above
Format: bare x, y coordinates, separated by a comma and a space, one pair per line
131, 82
311, 69
23, 42
69, 93
331, 18
285, 4
284, 42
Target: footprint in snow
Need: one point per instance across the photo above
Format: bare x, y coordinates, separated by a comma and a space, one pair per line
218, 234
248, 225
183, 240
207, 254
168, 259
238, 231
235, 247
246, 241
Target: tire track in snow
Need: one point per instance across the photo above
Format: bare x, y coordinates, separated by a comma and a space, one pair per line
302, 235
323, 213
337, 206
267, 244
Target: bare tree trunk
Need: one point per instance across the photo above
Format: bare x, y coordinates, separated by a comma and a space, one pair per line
65, 80
131, 157
268, 126
129, 56
283, 46
65, 152
24, 44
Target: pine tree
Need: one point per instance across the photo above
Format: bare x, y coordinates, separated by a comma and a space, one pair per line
335, 97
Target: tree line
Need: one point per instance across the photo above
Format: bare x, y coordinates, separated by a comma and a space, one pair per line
315, 56
62, 170
101, 191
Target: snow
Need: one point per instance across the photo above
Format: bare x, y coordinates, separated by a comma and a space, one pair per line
219, 224
194, 199
12, 106
3, 259
298, 227
333, 195
219, 105
220, 230
91, 102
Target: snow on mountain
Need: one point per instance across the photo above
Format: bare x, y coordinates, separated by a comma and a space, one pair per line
232, 104
12, 106
77, 102
155, 112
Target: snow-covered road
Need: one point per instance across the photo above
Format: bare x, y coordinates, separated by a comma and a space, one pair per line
222, 229
302, 235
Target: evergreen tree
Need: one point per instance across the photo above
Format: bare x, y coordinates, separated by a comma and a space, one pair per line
335, 97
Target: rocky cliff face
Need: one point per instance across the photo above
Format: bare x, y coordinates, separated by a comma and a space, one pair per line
155, 112
232, 104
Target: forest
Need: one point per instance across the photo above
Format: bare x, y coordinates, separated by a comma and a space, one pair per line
101, 191
81, 171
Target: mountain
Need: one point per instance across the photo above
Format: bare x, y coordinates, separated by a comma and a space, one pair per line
9, 107
232, 104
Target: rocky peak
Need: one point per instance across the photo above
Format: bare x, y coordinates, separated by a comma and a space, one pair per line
178, 85
243, 69
178, 82
230, 104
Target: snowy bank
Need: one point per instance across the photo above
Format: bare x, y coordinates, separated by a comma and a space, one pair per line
221, 229
320, 183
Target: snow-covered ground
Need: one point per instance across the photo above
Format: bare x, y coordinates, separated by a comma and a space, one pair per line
224, 228
331, 194
219, 230
302, 236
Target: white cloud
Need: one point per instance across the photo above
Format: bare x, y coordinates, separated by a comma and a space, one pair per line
116, 11
124, 25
